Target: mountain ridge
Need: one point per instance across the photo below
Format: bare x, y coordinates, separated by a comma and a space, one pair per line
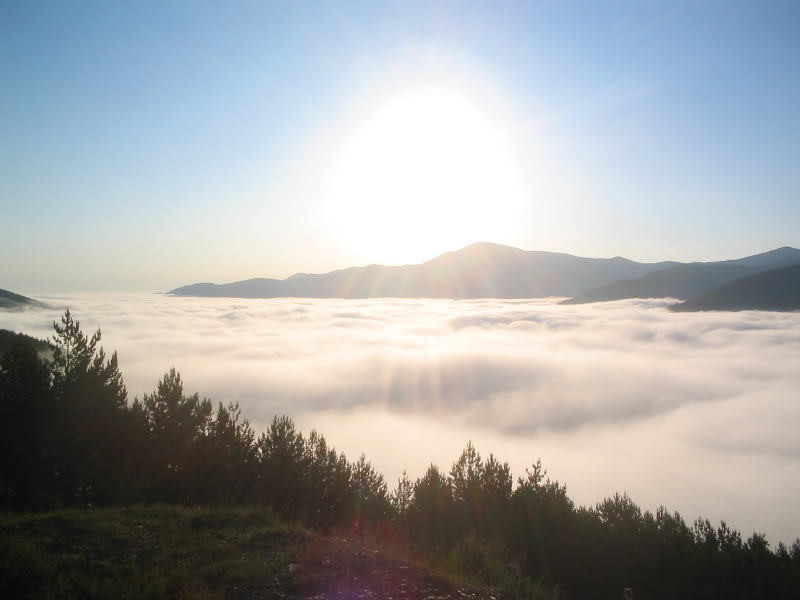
480, 270
12, 300
688, 280
774, 289
490, 270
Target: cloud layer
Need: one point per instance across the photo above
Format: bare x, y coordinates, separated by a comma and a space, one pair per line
698, 410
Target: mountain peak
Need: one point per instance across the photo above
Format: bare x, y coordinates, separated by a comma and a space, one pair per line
486, 247
479, 270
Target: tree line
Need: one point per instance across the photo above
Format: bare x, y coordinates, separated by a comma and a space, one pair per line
70, 437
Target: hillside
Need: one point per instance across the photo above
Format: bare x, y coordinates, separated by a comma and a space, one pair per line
481, 270
147, 552
9, 338
777, 289
202, 552
12, 300
689, 280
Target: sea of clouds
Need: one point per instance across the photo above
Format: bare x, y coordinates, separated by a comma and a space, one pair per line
697, 411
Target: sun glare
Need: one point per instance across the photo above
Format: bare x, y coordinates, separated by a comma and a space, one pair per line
425, 173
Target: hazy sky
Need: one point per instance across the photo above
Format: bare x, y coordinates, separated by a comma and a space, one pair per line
147, 145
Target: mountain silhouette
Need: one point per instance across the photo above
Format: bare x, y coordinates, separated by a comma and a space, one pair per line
12, 300
481, 270
776, 289
684, 281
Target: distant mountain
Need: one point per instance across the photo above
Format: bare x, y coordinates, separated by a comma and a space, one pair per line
481, 270
12, 300
779, 257
684, 281
776, 289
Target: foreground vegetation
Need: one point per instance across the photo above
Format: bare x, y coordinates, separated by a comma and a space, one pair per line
180, 552
153, 551
70, 438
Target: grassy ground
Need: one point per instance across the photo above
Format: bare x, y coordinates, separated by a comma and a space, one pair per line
233, 553
149, 552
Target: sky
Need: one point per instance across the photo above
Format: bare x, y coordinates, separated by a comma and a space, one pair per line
148, 145
613, 397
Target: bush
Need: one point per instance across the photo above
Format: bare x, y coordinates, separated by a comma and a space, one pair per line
487, 563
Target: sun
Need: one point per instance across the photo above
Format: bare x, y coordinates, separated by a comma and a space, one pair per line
424, 173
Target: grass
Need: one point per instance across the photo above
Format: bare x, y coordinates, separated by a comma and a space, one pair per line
148, 552
206, 553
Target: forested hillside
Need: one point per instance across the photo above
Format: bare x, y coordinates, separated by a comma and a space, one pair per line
777, 289
71, 437
12, 300
9, 338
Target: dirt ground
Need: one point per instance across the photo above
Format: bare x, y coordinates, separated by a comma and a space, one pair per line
339, 569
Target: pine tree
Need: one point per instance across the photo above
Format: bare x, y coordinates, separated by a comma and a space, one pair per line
90, 404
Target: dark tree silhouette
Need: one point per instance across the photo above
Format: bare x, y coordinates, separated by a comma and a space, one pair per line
26, 427
176, 428
90, 405
281, 456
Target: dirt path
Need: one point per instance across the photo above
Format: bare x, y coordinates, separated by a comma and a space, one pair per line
337, 569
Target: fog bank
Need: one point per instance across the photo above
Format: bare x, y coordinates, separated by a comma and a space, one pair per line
698, 411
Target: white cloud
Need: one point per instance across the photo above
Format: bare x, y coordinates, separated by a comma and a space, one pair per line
698, 411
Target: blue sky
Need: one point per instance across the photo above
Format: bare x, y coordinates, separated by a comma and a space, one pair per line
149, 145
